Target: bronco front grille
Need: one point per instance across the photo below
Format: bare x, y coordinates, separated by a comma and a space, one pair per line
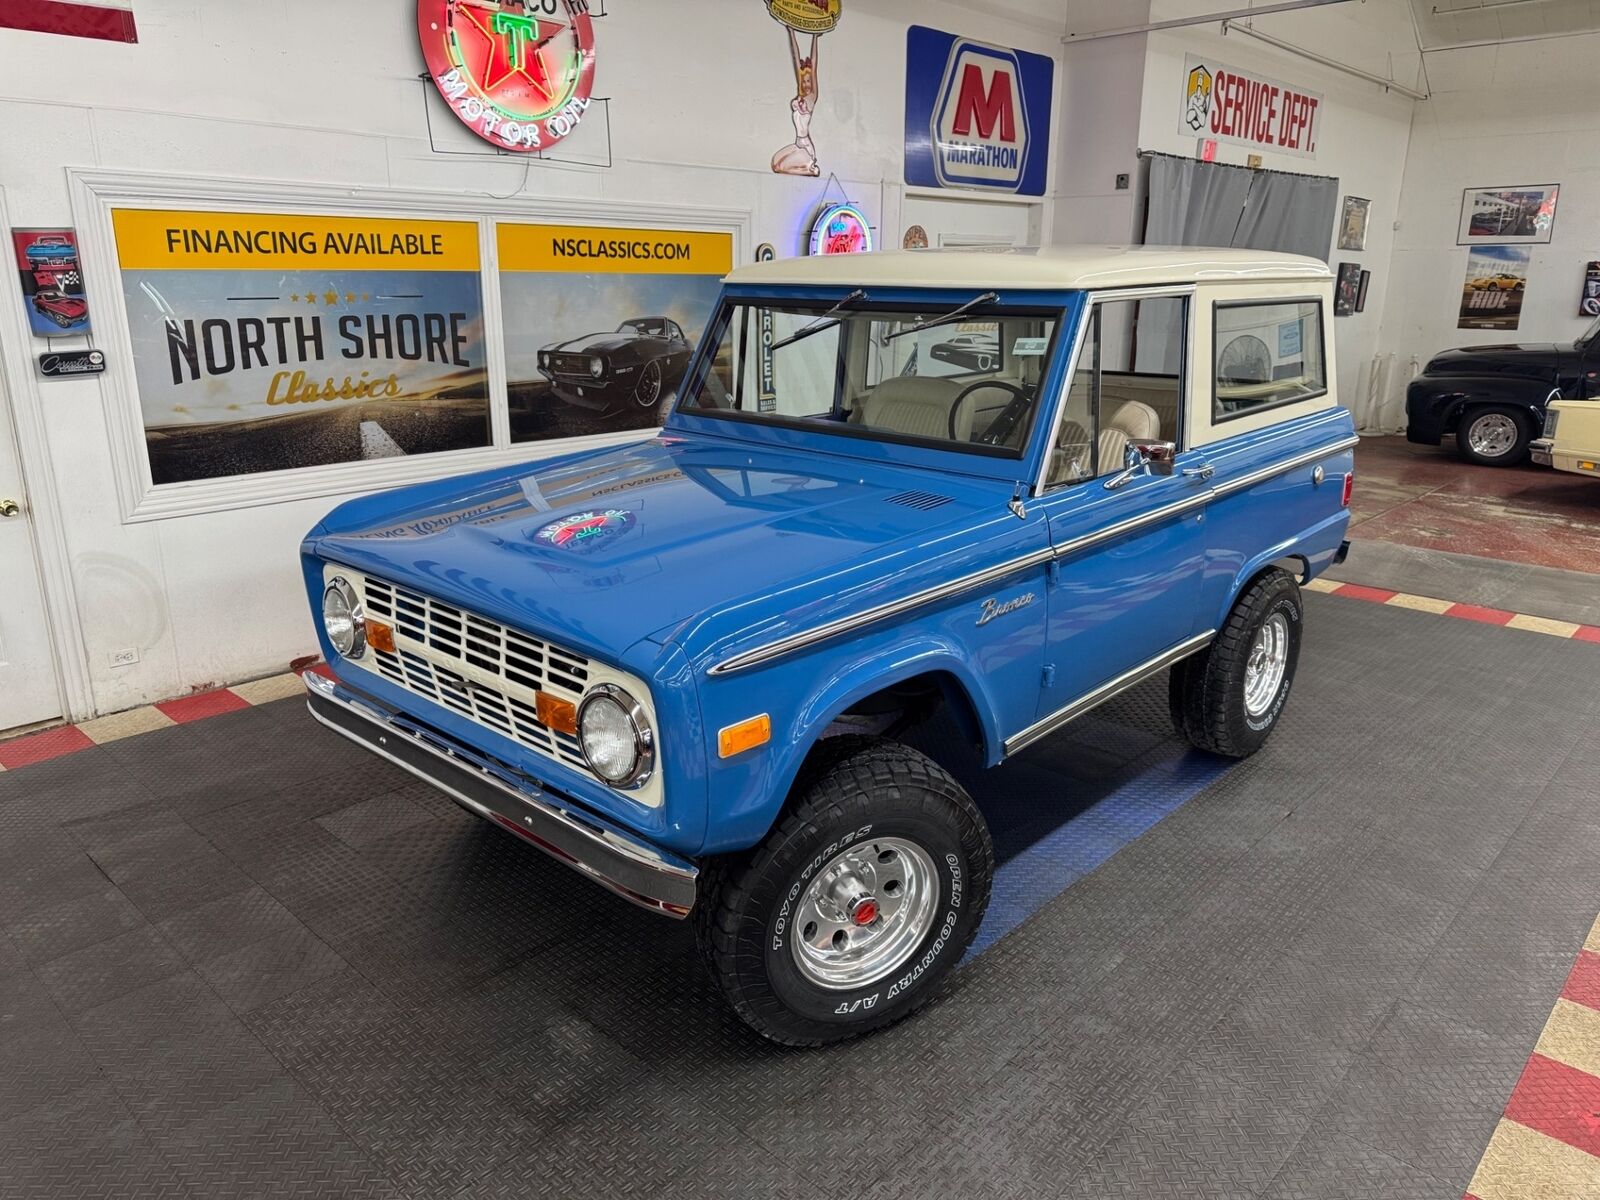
477, 667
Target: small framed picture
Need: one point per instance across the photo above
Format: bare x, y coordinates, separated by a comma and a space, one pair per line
1361, 291
1347, 289
1353, 223
1589, 301
1508, 216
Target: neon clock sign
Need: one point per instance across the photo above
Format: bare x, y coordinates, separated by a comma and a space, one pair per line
841, 229
517, 73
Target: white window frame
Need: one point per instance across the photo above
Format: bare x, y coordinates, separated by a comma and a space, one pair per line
94, 193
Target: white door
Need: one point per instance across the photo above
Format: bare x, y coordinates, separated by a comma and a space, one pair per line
28, 692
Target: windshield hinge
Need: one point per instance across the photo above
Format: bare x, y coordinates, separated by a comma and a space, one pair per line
1016, 505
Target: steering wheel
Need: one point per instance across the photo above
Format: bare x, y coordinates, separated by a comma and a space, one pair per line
1005, 421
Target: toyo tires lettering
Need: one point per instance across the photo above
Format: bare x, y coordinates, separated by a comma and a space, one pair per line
782, 922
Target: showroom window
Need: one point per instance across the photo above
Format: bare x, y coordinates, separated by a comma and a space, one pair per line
1267, 355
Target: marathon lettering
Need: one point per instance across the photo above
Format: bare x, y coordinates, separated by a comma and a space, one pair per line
219, 346
303, 241
582, 247
956, 154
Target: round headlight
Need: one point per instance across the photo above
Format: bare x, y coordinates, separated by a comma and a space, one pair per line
596, 367
544, 359
342, 618
616, 737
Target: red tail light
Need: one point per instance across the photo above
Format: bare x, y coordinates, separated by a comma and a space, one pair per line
1349, 487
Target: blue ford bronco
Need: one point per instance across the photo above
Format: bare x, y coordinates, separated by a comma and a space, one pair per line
682, 666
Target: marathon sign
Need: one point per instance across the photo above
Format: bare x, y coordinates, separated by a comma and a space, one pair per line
977, 115
1230, 105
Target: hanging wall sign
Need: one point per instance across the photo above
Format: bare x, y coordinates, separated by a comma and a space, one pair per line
269, 341
977, 115
52, 281
840, 229
70, 363
1589, 301
767, 398
519, 77
600, 322
1223, 102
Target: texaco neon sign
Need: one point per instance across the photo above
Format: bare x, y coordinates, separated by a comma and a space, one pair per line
518, 73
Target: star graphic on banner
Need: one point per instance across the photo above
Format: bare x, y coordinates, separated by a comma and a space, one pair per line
349, 297
330, 297
498, 45
310, 299
295, 298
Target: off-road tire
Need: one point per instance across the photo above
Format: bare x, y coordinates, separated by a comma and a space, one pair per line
853, 791
1207, 690
1519, 449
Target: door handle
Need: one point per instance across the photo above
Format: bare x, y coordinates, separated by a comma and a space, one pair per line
1205, 472
9, 508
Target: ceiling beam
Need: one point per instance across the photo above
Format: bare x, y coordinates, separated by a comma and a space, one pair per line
1206, 19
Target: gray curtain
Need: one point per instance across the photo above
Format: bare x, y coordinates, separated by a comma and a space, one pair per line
1194, 203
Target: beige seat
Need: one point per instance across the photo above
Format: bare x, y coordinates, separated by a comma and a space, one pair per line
1070, 460
1137, 420
916, 405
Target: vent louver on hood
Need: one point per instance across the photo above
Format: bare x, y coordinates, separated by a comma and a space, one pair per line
922, 500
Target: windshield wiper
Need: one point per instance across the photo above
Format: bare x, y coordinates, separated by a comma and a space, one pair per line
953, 315
826, 321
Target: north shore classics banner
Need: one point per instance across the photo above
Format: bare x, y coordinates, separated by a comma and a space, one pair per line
268, 342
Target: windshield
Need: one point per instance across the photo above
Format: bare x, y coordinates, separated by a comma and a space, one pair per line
867, 370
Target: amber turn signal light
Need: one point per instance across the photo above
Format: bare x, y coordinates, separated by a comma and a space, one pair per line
380, 636
556, 713
744, 735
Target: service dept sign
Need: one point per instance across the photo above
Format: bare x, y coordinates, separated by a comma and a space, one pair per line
518, 73
977, 115
1230, 105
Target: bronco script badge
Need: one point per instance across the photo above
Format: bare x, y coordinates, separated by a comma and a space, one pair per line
517, 72
993, 608
585, 531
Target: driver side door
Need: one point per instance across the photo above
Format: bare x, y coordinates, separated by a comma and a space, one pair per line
1129, 545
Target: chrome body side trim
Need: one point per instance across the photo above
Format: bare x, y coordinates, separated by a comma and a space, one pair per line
880, 612
1105, 691
617, 860
1300, 460
1132, 524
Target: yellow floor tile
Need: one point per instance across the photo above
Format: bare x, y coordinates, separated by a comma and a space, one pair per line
1321, 585
125, 724
1572, 1036
1420, 603
275, 687
1542, 625
1521, 1164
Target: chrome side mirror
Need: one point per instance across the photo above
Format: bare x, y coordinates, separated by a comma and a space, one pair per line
1144, 458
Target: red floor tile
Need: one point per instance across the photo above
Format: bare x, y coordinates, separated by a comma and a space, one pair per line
1583, 985
206, 704
1357, 591
1588, 633
1558, 1101
37, 747
1475, 612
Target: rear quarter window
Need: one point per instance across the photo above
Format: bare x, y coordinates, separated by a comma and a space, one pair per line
1266, 354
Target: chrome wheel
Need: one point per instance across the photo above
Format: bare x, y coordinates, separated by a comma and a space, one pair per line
649, 389
1264, 669
864, 913
1492, 435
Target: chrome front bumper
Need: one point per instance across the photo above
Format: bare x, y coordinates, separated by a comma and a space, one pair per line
1540, 450
612, 857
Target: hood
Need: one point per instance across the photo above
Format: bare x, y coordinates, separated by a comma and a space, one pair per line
607, 548
593, 342
1529, 358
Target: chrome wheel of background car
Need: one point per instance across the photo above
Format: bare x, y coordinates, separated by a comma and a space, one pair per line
649, 389
1263, 672
1493, 435
864, 913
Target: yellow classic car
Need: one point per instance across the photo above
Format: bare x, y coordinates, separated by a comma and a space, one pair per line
1500, 282
1571, 440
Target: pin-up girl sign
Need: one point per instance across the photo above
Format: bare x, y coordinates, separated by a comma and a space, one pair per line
811, 18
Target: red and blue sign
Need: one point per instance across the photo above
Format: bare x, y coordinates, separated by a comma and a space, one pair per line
587, 531
840, 229
977, 115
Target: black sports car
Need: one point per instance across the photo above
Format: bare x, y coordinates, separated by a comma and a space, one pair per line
634, 366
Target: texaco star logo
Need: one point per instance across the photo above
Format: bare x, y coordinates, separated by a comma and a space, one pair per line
517, 72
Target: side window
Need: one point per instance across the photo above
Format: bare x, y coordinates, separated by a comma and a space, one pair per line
1128, 386
1267, 355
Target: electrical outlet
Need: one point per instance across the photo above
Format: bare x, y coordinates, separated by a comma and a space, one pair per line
124, 658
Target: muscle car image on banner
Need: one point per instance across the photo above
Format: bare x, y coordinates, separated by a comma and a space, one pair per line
52, 281
600, 322
267, 342
1491, 296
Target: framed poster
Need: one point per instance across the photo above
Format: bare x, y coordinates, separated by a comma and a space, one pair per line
599, 322
52, 281
1347, 289
1492, 293
1589, 301
275, 341
1520, 215
1353, 223
1361, 291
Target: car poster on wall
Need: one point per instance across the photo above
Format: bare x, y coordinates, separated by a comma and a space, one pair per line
1491, 296
600, 322
52, 281
273, 341
1508, 216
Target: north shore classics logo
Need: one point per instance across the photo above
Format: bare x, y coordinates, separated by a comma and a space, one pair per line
518, 73
586, 531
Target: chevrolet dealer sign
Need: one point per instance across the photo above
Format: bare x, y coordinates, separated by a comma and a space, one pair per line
977, 115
